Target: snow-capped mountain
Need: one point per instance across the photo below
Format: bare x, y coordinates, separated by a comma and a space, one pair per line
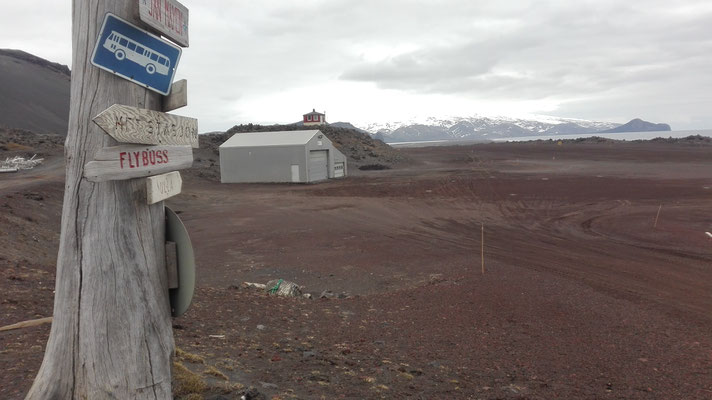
480, 128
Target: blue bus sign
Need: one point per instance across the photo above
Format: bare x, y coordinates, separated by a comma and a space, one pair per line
135, 54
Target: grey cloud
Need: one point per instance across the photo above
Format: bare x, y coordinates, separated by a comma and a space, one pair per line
436, 69
554, 53
589, 56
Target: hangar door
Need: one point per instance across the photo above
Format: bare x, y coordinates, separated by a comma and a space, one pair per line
318, 165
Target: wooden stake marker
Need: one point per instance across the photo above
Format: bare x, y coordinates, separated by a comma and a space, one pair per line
482, 246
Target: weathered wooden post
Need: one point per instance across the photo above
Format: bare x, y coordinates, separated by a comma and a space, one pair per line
111, 336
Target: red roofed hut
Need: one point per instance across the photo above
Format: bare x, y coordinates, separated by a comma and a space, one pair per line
314, 118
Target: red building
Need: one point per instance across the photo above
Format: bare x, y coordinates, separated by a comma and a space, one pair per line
314, 118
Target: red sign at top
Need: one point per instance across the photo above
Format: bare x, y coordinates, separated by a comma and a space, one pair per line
168, 17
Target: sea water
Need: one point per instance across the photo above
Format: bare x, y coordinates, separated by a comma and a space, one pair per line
616, 136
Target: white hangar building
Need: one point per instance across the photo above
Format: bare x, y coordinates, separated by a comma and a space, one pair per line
284, 156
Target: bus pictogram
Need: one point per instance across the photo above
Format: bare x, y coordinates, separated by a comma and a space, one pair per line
135, 54
125, 48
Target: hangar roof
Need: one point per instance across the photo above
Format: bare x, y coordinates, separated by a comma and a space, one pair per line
279, 138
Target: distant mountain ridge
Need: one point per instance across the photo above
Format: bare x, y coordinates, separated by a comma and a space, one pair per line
638, 125
34, 96
34, 93
488, 128
347, 125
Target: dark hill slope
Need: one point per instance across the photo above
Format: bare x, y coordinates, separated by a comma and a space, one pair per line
17, 142
34, 93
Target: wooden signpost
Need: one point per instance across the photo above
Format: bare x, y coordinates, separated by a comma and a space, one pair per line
135, 161
111, 334
161, 187
166, 16
136, 125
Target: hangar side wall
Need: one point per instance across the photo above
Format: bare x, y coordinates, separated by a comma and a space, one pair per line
261, 164
338, 157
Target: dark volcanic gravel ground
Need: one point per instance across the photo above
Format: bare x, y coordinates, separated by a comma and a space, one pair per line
582, 297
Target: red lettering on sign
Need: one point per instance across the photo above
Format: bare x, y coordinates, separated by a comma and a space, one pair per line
167, 11
173, 17
143, 158
155, 11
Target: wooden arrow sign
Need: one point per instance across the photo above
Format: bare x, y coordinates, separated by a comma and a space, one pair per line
137, 125
167, 16
164, 186
177, 98
132, 161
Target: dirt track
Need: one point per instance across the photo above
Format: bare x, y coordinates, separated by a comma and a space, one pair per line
583, 298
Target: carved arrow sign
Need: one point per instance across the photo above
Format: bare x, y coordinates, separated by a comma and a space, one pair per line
137, 125
161, 187
167, 16
131, 161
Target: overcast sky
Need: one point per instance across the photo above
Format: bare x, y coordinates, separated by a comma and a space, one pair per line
270, 61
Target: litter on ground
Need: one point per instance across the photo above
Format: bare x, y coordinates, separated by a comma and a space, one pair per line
17, 163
